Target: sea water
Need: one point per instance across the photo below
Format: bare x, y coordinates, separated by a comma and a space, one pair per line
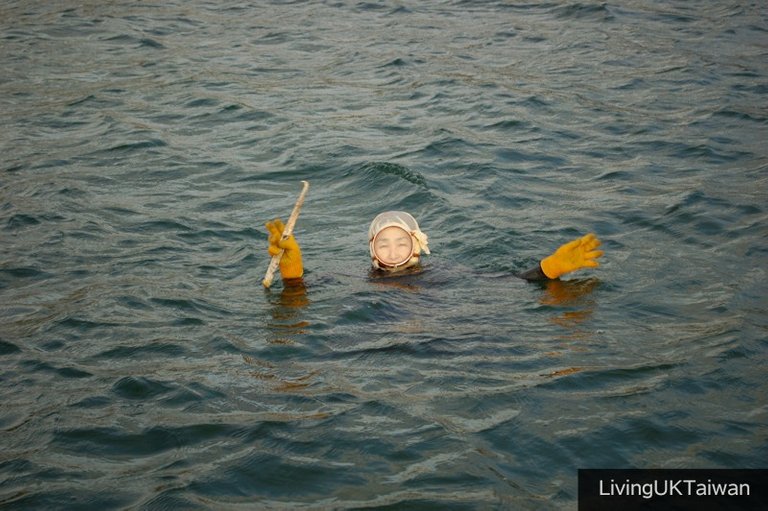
145, 144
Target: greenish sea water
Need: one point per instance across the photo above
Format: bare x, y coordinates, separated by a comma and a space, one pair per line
145, 144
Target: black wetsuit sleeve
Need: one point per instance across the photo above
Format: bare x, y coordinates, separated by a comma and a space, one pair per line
535, 273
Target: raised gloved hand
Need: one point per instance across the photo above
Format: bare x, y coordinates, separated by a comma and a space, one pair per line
291, 266
574, 255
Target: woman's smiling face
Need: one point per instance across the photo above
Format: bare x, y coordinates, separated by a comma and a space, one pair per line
393, 246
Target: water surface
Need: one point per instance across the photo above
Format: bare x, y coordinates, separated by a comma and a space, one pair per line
145, 144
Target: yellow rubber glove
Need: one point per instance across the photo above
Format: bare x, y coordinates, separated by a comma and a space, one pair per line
574, 255
291, 266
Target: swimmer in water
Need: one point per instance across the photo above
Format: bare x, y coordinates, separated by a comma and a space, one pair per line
396, 244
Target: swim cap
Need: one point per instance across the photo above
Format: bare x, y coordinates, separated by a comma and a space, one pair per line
406, 222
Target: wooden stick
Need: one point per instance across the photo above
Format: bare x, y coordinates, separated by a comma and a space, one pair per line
275, 262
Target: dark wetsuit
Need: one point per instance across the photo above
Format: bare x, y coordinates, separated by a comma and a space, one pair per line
533, 274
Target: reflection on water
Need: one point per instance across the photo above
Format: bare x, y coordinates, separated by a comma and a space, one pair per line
286, 310
575, 292
577, 297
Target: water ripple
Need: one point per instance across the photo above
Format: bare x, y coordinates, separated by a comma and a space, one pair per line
146, 145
